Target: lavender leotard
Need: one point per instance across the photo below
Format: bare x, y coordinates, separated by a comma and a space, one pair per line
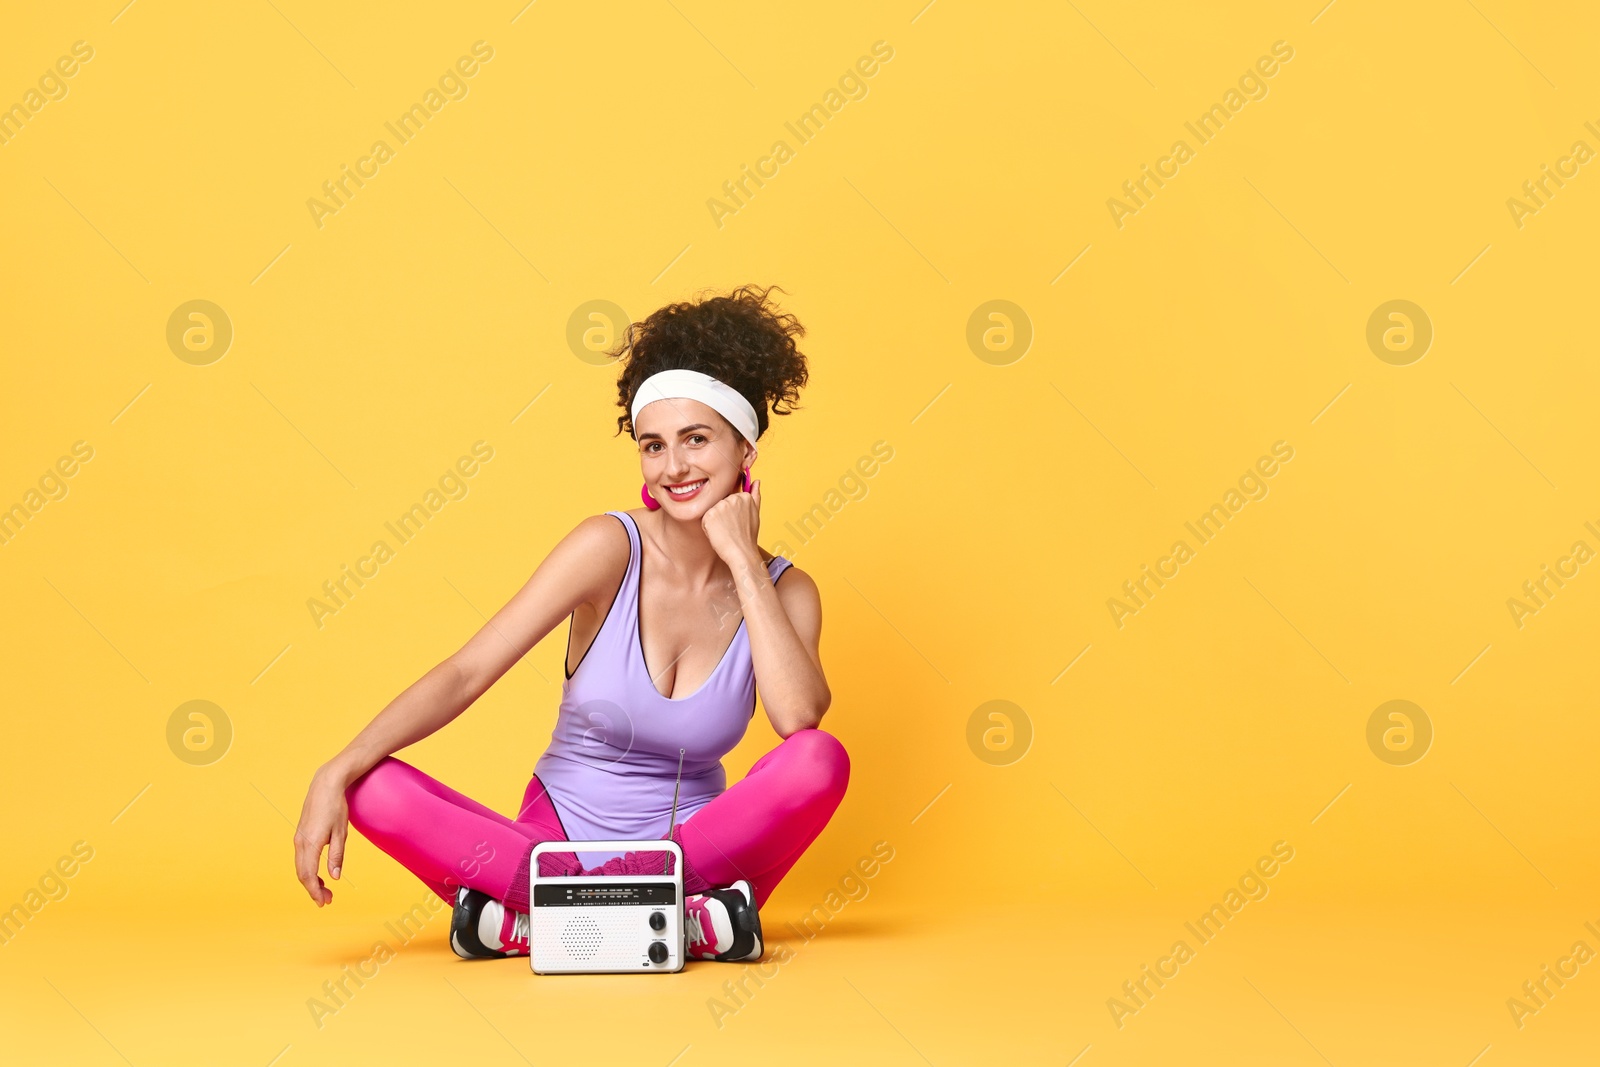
613, 754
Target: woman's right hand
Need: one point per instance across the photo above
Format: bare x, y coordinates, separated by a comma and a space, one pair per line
324, 823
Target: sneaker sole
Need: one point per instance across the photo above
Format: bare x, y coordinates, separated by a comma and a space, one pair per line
461, 933
749, 892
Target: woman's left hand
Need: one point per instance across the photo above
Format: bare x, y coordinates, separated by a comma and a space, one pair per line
732, 523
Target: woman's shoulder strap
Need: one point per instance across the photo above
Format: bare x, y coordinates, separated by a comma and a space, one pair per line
632, 527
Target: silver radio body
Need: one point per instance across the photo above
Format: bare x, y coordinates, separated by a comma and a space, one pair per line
606, 924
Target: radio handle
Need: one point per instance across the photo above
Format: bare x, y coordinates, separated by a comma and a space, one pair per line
653, 845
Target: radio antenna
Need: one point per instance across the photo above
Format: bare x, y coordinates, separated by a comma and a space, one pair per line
673, 818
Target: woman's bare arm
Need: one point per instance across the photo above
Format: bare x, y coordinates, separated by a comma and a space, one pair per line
783, 619
784, 622
573, 573
567, 577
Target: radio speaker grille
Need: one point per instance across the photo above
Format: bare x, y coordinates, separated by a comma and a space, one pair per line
582, 937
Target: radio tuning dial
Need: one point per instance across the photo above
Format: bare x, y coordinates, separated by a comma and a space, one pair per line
658, 921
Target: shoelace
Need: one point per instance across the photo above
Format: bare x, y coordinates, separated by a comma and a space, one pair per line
519, 928
691, 925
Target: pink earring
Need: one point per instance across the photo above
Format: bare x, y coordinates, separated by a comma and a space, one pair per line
746, 483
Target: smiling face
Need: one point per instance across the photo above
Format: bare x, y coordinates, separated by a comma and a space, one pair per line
684, 443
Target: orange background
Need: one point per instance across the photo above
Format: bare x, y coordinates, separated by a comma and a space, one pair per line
1042, 457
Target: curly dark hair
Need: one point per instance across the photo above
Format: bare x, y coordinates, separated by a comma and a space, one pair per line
737, 339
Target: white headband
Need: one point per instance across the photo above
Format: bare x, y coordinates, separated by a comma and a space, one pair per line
693, 385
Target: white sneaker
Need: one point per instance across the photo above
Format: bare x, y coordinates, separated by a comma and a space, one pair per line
722, 924
481, 927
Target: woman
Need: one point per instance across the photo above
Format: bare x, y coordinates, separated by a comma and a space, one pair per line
650, 680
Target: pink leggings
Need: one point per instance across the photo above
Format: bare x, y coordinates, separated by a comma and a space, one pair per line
756, 829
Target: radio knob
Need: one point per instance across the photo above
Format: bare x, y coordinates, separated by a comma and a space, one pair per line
658, 921
658, 952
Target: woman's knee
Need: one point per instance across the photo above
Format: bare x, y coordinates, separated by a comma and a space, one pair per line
823, 758
378, 799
